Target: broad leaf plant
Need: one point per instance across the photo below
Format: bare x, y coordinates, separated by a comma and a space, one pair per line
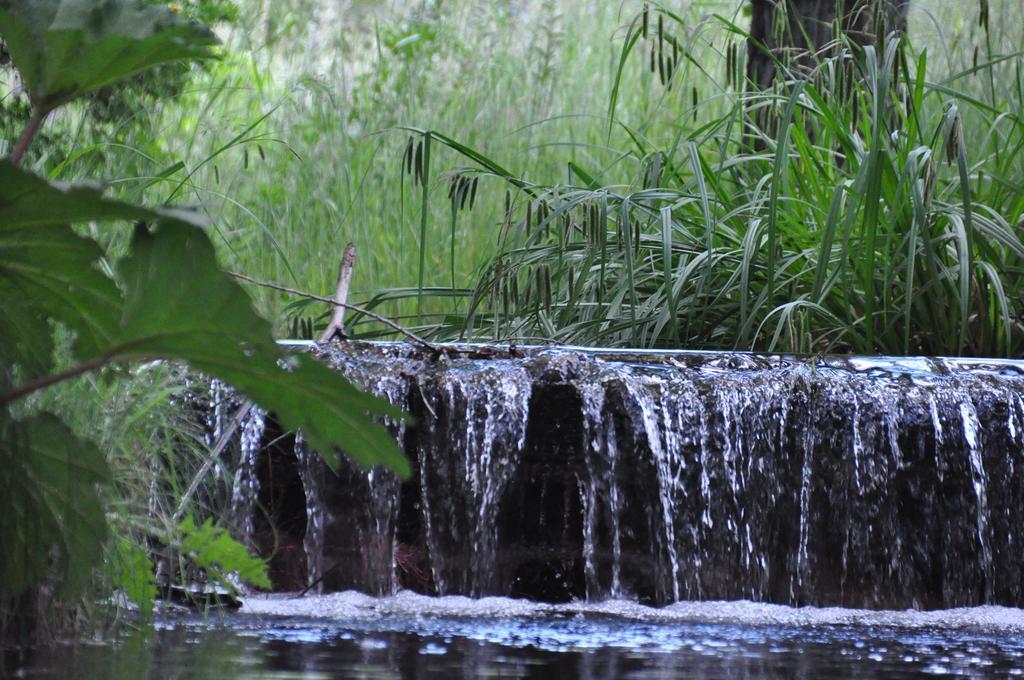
168, 299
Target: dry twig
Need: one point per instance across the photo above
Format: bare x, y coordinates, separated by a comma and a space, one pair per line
335, 327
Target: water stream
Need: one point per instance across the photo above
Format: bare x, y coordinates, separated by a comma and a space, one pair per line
569, 474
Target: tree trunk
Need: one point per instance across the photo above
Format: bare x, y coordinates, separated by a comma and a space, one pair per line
798, 33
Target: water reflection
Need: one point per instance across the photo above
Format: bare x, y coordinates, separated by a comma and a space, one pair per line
552, 642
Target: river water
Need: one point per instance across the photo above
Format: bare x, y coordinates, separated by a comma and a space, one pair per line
652, 507
410, 635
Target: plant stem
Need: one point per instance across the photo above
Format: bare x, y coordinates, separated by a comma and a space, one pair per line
424, 213
29, 133
73, 372
225, 439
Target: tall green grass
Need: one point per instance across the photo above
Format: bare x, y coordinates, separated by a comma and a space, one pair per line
865, 226
613, 204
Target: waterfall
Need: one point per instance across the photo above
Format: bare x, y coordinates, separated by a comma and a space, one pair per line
245, 490
562, 473
471, 439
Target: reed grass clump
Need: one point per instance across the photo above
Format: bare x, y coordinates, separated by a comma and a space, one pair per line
842, 211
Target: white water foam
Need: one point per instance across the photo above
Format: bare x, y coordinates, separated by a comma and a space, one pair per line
353, 606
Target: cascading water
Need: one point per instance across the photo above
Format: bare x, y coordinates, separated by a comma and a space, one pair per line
470, 441
560, 474
245, 491
351, 514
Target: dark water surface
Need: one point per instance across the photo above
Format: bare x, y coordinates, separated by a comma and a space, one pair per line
350, 635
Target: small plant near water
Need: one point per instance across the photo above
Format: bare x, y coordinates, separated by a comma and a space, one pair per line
71, 309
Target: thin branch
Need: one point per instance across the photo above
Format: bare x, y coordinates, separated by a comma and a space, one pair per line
21, 146
331, 301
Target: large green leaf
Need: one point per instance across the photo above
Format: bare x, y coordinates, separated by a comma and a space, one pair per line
180, 305
176, 304
66, 48
49, 272
27, 342
49, 479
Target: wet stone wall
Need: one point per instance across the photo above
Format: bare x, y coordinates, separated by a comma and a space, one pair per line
558, 474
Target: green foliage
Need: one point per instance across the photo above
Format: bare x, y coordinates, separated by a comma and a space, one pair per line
207, 12
212, 549
126, 102
527, 88
841, 212
177, 304
47, 272
166, 299
132, 573
51, 503
66, 48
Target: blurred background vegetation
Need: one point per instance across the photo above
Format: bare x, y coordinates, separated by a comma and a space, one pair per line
292, 144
